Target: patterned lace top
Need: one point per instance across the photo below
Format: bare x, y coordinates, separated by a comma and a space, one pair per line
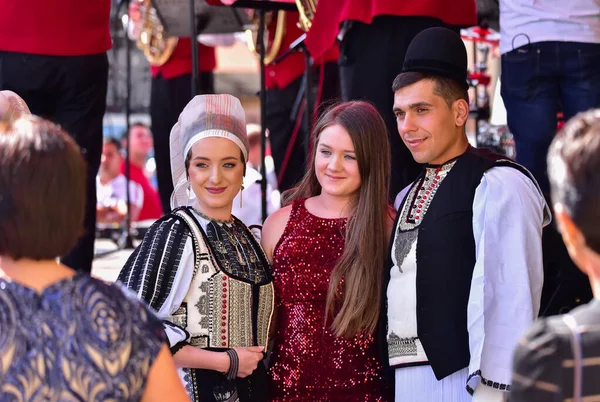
79, 340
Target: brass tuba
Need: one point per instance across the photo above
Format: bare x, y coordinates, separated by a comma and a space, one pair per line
153, 39
252, 35
306, 9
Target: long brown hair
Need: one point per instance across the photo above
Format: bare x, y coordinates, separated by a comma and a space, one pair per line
353, 298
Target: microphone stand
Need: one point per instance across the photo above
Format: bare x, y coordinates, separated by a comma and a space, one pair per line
194, 43
263, 114
299, 45
126, 240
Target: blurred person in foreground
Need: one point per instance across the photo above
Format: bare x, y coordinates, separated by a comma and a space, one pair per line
54, 55
63, 334
544, 359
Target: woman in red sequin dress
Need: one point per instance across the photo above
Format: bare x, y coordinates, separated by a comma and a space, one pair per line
328, 250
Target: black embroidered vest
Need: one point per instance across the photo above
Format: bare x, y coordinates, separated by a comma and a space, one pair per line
445, 254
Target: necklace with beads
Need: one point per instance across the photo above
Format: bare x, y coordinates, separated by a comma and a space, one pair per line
208, 218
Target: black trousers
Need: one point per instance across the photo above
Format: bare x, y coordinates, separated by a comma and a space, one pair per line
371, 57
168, 98
286, 109
70, 91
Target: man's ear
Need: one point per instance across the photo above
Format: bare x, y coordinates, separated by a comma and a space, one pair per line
460, 108
572, 236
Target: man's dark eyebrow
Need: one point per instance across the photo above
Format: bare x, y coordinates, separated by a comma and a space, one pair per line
413, 106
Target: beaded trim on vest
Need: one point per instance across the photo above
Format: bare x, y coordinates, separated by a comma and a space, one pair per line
420, 196
404, 345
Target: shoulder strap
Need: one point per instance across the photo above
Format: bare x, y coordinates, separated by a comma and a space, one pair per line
576, 344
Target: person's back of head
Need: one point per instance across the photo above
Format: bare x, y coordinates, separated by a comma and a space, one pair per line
42, 190
42, 201
574, 174
540, 371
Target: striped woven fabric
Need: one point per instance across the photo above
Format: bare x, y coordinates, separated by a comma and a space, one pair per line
543, 365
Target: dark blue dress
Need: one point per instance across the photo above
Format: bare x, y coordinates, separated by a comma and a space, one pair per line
80, 340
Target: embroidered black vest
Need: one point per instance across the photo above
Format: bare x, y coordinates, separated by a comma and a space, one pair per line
445, 254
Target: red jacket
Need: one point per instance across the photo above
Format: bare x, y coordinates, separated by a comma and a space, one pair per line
180, 62
331, 13
55, 27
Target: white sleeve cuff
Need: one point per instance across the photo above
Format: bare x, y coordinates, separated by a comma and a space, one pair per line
177, 336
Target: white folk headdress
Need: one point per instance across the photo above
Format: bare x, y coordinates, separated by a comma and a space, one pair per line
204, 116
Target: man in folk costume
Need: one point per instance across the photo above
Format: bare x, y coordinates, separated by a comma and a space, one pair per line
465, 275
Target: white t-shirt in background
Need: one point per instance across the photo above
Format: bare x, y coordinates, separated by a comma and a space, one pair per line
531, 21
109, 194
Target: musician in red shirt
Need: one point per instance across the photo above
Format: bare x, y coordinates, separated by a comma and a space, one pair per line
170, 92
375, 35
53, 54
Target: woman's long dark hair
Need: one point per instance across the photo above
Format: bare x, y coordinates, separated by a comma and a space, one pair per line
355, 285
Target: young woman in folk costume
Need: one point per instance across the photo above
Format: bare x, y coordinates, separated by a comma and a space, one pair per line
201, 268
328, 250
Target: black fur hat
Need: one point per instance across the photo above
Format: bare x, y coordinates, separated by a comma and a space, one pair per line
438, 51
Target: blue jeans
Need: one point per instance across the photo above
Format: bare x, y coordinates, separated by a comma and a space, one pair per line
540, 79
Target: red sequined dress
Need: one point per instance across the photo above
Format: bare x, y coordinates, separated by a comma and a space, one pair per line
309, 363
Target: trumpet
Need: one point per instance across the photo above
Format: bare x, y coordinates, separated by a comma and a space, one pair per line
306, 9
252, 35
153, 40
